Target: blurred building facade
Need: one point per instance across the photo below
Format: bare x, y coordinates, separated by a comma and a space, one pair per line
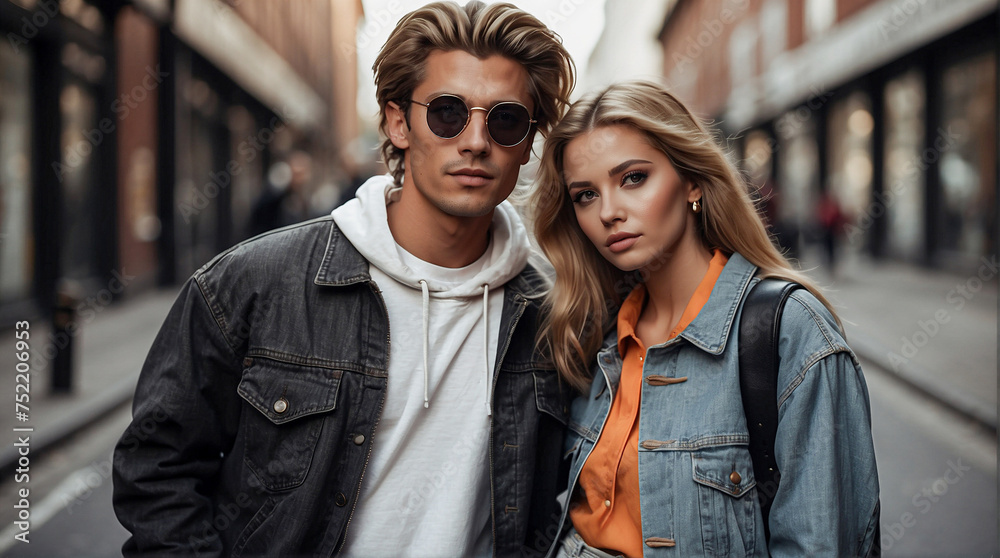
889, 106
136, 136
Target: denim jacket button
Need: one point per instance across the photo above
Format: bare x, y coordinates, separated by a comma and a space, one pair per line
735, 477
340, 499
280, 406
359, 439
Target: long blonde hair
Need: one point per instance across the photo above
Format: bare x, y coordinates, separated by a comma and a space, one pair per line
588, 289
481, 30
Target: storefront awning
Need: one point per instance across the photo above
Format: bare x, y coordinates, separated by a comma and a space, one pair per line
869, 39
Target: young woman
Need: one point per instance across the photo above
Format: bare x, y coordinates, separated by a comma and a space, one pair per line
655, 243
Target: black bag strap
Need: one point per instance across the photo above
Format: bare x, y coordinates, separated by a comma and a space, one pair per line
758, 355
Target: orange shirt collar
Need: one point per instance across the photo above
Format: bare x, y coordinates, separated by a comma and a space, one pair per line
628, 316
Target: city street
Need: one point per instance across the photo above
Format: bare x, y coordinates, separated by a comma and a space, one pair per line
937, 471
139, 139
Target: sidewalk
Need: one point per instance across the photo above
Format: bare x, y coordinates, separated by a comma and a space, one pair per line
110, 350
936, 331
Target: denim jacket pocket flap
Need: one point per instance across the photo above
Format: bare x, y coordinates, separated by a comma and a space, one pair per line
283, 392
551, 395
728, 469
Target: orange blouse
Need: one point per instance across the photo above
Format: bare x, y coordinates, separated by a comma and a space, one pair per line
608, 517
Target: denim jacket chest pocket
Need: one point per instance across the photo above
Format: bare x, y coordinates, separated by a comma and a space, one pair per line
725, 489
287, 407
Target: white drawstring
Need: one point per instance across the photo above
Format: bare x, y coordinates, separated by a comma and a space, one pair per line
427, 303
486, 345
486, 348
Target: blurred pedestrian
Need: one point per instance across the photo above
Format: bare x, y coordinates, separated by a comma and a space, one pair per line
634, 192
832, 223
279, 414
283, 201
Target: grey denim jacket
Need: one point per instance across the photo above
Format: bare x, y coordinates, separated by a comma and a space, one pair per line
693, 436
256, 409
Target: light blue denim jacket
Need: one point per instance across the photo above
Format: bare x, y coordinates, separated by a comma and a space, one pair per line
693, 436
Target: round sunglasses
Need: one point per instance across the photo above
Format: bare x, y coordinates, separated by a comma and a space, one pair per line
508, 123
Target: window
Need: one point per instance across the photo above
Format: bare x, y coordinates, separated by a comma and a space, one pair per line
850, 155
17, 240
903, 193
797, 173
967, 158
80, 140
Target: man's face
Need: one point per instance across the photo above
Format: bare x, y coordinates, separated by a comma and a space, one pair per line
470, 174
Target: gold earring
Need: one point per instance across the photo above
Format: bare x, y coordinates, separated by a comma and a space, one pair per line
696, 206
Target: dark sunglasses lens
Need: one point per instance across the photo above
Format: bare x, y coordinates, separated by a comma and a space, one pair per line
508, 124
446, 116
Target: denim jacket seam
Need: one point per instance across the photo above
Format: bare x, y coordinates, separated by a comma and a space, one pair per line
584, 431
327, 254
816, 319
330, 252
832, 347
215, 309
809, 364
298, 360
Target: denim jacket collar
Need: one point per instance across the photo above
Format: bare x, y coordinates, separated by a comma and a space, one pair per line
351, 267
710, 329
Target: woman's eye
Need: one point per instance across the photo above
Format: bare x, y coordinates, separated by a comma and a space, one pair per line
584, 196
634, 177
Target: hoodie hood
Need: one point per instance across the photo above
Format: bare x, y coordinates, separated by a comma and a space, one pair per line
364, 222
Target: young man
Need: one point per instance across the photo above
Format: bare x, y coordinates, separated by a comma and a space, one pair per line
366, 383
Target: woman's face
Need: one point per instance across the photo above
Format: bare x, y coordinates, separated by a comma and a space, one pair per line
628, 198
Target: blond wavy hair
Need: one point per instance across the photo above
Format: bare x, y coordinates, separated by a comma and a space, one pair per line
582, 303
483, 31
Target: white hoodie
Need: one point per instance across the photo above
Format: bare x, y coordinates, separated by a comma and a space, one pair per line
426, 490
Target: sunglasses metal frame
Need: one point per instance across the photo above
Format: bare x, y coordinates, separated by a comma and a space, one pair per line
468, 117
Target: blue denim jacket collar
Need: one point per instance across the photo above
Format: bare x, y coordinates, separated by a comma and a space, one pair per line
705, 331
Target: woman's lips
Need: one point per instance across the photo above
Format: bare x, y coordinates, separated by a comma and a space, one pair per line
619, 242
